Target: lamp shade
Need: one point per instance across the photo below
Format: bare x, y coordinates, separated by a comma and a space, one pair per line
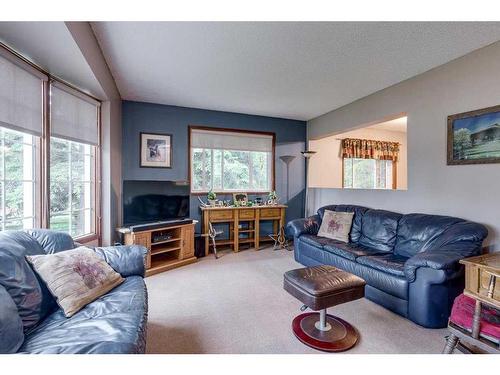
287, 159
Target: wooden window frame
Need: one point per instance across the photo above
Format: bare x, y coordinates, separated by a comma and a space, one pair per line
42, 206
232, 130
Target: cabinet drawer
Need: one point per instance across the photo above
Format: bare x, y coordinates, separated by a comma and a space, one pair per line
247, 214
221, 215
269, 212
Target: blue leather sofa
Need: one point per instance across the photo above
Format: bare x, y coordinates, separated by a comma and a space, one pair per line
31, 321
409, 262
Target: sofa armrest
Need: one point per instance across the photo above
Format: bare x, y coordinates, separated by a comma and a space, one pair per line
126, 260
437, 260
460, 241
309, 225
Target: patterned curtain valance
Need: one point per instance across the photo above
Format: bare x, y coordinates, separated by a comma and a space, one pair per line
369, 149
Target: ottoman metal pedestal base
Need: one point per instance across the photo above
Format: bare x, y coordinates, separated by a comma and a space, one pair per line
324, 332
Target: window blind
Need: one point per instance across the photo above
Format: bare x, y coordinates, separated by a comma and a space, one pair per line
73, 115
21, 105
213, 139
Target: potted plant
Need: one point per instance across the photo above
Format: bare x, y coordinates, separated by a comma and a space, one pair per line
212, 198
273, 197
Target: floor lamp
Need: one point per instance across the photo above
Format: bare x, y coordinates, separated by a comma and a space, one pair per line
280, 241
307, 155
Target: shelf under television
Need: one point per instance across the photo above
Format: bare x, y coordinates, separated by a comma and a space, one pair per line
165, 241
166, 261
165, 249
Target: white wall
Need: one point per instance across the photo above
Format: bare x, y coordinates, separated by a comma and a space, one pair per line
328, 157
469, 191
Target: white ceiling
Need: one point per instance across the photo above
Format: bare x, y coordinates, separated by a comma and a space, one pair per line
396, 125
294, 70
51, 46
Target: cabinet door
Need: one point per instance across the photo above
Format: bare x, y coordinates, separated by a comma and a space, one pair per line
144, 240
188, 241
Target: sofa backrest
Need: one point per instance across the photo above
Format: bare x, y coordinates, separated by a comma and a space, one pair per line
379, 229
17, 277
11, 325
464, 237
356, 221
409, 234
32, 298
417, 232
52, 241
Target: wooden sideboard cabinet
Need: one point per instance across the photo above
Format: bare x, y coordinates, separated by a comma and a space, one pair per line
168, 247
236, 216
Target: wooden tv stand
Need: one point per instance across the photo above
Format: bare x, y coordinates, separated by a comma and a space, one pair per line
168, 253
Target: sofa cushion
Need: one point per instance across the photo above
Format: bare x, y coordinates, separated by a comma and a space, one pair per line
29, 293
11, 325
390, 263
416, 232
379, 229
391, 284
336, 225
319, 242
114, 323
75, 277
351, 250
52, 241
356, 222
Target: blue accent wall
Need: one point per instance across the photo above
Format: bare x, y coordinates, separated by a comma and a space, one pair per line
140, 117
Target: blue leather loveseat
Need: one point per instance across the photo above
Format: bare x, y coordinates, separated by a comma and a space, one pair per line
31, 321
409, 262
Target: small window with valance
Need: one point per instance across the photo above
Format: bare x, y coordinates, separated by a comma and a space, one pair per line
369, 164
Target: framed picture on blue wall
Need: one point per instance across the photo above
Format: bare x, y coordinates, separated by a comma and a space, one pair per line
156, 150
474, 137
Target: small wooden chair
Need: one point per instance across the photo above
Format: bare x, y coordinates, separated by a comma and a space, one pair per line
473, 324
212, 234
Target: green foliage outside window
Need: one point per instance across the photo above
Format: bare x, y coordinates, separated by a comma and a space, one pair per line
228, 170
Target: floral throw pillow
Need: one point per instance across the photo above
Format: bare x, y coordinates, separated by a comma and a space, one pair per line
75, 277
336, 225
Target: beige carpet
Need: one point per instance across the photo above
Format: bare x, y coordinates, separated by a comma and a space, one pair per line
237, 304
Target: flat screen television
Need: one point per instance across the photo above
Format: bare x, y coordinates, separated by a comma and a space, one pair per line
153, 201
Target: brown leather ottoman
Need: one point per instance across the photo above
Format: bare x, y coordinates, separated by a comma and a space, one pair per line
318, 288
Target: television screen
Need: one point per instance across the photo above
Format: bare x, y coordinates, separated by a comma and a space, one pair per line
152, 201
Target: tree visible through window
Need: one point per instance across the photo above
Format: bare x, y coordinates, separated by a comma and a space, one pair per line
228, 161
17, 180
229, 170
368, 173
72, 187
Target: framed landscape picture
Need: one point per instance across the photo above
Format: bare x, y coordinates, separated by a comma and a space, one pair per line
156, 150
474, 137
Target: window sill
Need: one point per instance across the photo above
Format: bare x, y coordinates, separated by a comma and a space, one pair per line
87, 238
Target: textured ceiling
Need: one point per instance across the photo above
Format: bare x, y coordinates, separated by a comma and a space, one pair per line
294, 70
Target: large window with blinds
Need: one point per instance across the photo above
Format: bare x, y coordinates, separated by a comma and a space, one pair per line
73, 142
46, 125
228, 161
